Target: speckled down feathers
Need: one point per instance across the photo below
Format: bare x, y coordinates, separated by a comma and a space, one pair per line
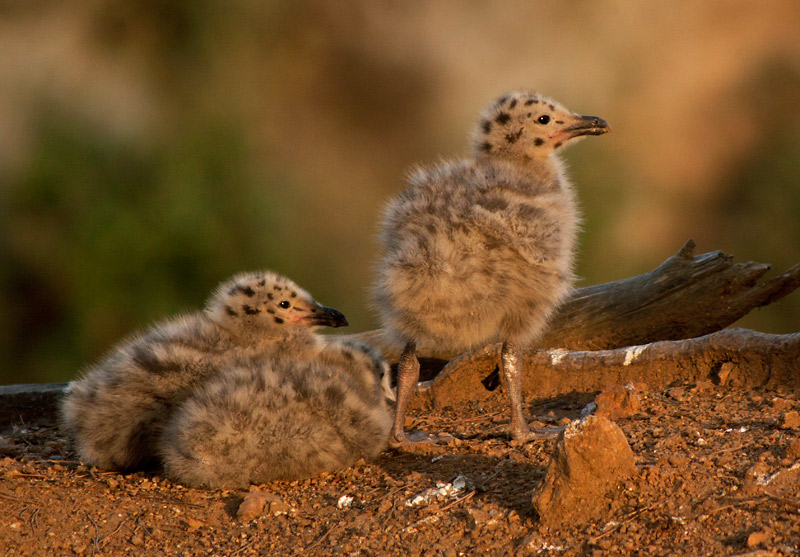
481, 250
280, 420
116, 411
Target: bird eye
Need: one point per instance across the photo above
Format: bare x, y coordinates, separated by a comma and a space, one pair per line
284, 304
543, 119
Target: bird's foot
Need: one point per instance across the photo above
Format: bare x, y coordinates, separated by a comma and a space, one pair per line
523, 435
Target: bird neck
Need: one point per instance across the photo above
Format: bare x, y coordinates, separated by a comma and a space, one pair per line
547, 173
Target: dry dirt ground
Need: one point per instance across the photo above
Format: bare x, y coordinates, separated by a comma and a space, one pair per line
718, 474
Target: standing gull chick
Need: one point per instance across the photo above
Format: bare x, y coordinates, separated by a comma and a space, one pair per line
481, 250
115, 412
280, 419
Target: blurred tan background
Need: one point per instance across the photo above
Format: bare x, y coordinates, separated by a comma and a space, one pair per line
151, 148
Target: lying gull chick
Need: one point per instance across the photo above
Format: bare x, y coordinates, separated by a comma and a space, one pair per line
116, 411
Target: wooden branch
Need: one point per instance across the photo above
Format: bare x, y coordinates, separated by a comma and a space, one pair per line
737, 357
25, 404
686, 296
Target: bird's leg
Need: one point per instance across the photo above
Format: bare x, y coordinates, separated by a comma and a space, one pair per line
511, 355
407, 377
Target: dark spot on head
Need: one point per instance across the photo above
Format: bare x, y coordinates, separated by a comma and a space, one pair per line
502, 100
313, 310
530, 114
246, 290
270, 310
278, 320
513, 104
294, 294
538, 141
230, 311
486, 125
557, 145
512, 138
250, 310
262, 281
552, 106
270, 295
276, 287
531, 101
559, 121
486, 146
502, 118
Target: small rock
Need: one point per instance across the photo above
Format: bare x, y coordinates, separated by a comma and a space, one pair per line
755, 478
789, 420
254, 502
678, 460
590, 408
793, 450
758, 537
702, 386
193, 523
617, 402
279, 507
676, 393
640, 386
477, 517
591, 457
779, 403
785, 482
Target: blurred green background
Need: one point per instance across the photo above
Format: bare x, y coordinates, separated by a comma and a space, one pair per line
150, 148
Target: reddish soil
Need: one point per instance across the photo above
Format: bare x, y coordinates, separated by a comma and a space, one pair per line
718, 474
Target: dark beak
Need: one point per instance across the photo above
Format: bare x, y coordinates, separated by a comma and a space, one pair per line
328, 317
588, 125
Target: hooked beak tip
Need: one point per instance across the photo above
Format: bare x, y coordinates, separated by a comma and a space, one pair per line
589, 125
330, 317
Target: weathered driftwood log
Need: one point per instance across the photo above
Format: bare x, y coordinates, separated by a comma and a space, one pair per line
686, 296
736, 357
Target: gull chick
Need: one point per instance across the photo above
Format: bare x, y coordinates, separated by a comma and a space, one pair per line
280, 419
481, 250
116, 411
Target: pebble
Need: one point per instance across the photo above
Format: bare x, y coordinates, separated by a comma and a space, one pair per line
790, 420
617, 402
779, 403
253, 504
793, 450
757, 538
